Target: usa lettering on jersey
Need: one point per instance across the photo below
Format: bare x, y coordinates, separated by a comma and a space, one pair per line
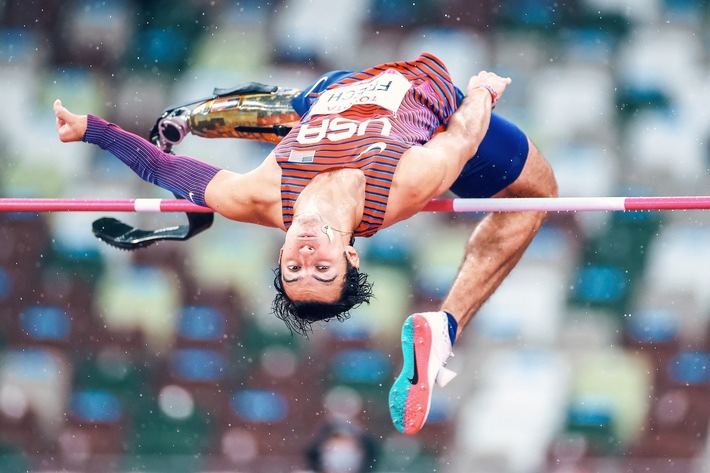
386, 90
339, 128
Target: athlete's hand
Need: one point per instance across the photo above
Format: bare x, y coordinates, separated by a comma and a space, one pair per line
488, 80
71, 127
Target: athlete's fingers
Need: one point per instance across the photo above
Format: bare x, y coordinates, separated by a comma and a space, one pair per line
70, 127
60, 112
489, 80
491, 77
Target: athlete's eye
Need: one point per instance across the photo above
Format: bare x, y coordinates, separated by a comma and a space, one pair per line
323, 268
293, 267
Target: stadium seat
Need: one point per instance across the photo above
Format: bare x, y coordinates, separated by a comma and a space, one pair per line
48, 325
269, 415
96, 426
197, 364
653, 332
601, 286
609, 397
18, 423
169, 424
516, 409
367, 370
200, 325
203, 372
39, 379
117, 370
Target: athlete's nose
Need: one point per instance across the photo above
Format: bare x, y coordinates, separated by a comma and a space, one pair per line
306, 250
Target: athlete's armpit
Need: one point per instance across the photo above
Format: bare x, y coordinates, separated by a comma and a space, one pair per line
252, 197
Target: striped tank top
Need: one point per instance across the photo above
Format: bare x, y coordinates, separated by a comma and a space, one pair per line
366, 121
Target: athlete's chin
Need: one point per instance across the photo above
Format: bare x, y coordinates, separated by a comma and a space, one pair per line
313, 295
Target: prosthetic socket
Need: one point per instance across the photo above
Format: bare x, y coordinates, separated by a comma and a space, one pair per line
249, 111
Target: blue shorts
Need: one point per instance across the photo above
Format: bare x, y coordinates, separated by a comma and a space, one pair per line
497, 163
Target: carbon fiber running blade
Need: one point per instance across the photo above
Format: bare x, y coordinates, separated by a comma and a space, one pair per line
121, 235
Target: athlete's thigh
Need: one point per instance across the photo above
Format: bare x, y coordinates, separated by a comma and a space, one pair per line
498, 161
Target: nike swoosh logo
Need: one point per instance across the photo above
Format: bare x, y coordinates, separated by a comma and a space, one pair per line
310, 91
379, 145
415, 377
192, 197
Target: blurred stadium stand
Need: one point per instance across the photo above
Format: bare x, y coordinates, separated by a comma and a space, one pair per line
593, 356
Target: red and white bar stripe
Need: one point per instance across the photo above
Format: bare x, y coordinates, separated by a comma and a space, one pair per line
559, 204
570, 204
546, 204
99, 205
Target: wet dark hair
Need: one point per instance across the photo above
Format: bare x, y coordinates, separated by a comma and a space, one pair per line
300, 315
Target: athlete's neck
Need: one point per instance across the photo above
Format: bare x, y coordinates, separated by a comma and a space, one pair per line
338, 196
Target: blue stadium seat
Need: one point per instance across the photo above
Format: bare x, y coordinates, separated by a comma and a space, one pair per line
596, 424
361, 367
680, 412
260, 405
96, 406
45, 323
201, 323
600, 284
690, 368
653, 332
198, 364
530, 14
272, 416
653, 324
163, 45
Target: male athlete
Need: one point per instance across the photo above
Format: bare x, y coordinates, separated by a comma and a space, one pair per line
371, 149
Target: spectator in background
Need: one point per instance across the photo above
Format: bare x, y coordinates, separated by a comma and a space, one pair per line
341, 447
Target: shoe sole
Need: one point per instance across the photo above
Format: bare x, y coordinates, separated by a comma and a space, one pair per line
409, 403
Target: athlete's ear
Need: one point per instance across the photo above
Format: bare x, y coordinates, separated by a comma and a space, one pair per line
352, 256
281, 253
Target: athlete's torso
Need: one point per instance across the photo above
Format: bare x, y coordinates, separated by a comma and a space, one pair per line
366, 121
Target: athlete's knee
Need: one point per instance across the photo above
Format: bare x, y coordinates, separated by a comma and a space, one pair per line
543, 172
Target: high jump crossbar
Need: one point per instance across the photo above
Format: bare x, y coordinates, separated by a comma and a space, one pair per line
548, 204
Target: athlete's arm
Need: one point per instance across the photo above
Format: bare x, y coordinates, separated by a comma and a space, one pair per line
428, 171
184, 176
453, 147
231, 194
253, 197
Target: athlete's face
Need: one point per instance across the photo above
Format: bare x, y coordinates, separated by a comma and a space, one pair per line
312, 265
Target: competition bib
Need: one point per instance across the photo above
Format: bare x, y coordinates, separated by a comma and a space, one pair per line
386, 90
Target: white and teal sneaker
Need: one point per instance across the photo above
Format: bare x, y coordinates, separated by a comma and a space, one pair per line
425, 346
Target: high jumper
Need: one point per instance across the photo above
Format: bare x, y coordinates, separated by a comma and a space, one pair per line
363, 151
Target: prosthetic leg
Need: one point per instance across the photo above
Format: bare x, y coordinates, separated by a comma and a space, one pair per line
251, 111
